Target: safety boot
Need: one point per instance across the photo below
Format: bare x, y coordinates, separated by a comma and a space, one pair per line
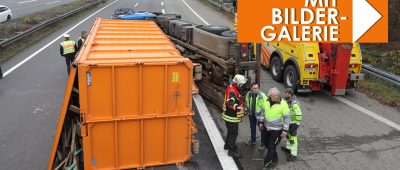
250, 142
266, 167
284, 149
270, 165
234, 155
291, 158
261, 147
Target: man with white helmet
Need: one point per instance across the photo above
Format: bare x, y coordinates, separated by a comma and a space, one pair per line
233, 113
68, 50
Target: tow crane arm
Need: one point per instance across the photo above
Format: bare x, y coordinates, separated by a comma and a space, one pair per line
334, 66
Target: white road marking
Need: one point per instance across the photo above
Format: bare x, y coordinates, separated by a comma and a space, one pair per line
226, 161
137, 3
195, 13
163, 11
56, 39
368, 112
49, 3
26, 1
162, 3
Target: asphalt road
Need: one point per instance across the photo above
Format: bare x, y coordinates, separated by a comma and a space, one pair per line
333, 136
20, 8
31, 96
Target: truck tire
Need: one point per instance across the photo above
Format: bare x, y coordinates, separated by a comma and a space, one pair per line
291, 77
230, 33
276, 70
215, 29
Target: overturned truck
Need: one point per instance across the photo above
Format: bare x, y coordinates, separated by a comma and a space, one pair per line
128, 98
216, 53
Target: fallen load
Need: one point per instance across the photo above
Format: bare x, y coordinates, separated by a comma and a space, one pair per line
129, 14
128, 102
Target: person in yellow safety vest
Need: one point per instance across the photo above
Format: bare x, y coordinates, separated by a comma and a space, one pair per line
296, 118
68, 50
276, 120
82, 40
254, 107
232, 114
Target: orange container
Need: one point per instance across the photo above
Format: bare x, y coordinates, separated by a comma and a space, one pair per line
135, 97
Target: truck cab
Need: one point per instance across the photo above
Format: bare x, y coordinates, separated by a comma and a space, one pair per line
308, 67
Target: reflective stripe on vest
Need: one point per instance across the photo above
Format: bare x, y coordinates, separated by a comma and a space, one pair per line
276, 111
295, 113
231, 119
259, 101
68, 46
83, 40
228, 118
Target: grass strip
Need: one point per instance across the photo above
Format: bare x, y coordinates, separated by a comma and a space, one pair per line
381, 91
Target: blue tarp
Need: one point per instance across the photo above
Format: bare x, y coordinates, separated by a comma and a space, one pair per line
139, 16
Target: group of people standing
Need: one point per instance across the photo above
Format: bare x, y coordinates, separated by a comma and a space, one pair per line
69, 49
275, 116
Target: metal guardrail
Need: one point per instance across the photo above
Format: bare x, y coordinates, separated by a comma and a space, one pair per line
391, 78
37, 27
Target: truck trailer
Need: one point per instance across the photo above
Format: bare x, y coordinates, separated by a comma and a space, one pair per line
128, 102
128, 99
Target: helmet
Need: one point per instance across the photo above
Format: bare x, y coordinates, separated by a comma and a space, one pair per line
240, 80
66, 35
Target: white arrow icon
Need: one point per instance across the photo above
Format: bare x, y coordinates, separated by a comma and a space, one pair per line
364, 17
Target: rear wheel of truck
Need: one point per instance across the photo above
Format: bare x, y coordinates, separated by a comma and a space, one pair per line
291, 77
215, 29
276, 70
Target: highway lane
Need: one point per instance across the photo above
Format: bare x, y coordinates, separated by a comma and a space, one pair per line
30, 98
146, 5
199, 10
21, 8
333, 134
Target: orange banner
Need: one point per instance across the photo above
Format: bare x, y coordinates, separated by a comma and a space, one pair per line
313, 21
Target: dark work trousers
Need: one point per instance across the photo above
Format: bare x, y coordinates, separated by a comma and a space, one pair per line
233, 131
272, 139
69, 58
1, 73
253, 127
